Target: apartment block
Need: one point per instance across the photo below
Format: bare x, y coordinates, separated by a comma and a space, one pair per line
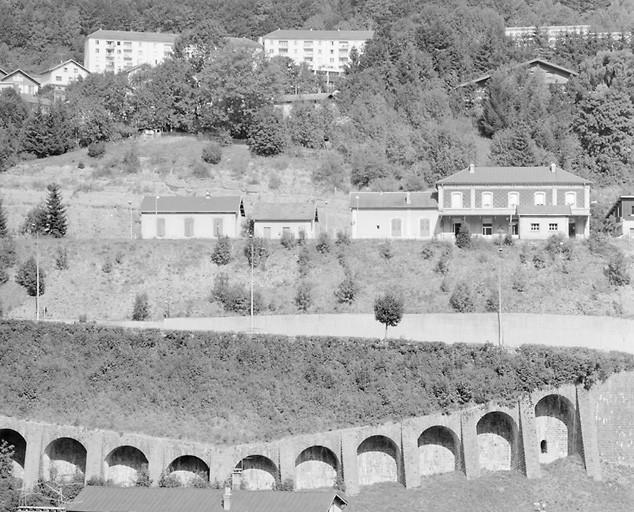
325, 51
116, 50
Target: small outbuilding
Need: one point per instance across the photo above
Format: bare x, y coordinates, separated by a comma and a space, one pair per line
272, 220
623, 213
178, 217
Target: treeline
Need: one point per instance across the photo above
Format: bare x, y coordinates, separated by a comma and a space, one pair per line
35, 33
230, 387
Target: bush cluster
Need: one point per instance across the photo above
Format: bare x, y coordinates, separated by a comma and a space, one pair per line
235, 298
221, 254
212, 153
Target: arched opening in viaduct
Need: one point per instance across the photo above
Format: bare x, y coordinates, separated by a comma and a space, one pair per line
498, 440
377, 460
123, 466
316, 467
257, 473
555, 420
438, 451
64, 460
189, 470
16, 440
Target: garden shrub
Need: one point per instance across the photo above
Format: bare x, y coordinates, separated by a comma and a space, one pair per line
304, 261
347, 290
96, 149
131, 162
4, 276
287, 240
8, 255
200, 171
462, 300
141, 309
385, 250
61, 259
323, 243
258, 249
27, 277
303, 296
617, 269
442, 265
221, 254
539, 262
212, 153
342, 239
463, 238
427, 252
558, 245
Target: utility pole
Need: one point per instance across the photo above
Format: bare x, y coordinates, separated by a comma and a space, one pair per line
251, 238
37, 272
130, 217
500, 337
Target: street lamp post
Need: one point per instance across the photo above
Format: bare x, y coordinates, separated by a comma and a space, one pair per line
156, 215
356, 219
500, 337
130, 217
37, 273
251, 240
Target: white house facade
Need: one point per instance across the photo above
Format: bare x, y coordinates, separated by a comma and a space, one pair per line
63, 74
272, 220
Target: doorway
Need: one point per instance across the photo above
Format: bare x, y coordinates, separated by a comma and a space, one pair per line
572, 230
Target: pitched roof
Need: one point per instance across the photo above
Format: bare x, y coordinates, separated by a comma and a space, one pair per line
3, 72
6, 78
180, 499
285, 211
394, 200
157, 37
314, 35
65, 63
513, 176
183, 204
530, 62
559, 210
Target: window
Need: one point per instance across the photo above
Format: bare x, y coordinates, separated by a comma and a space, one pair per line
424, 228
96, 50
553, 226
58, 78
514, 199
267, 232
283, 44
487, 229
65, 70
396, 228
487, 200
189, 226
543, 446
540, 198
534, 227
285, 230
571, 199
456, 199
160, 227
632, 211
332, 52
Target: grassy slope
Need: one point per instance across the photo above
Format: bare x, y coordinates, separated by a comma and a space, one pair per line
564, 487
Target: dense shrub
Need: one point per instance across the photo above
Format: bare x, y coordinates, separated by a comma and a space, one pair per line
303, 296
461, 299
8, 256
330, 173
200, 171
617, 269
304, 261
342, 239
131, 162
559, 246
539, 262
61, 259
323, 243
347, 290
463, 238
96, 149
287, 240
221, 254
141, 309
212, 153
427, 252
442, 265
28, 278
35, 221
4, 276
256, 251
235, 298
385, 250
267, 135
4, 229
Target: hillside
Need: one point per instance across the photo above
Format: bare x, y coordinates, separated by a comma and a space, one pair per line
230, 388
564, 487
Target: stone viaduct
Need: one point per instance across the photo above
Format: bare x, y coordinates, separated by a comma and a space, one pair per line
540, 428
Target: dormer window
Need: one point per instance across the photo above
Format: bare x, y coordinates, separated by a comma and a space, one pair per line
540, 198
487, 200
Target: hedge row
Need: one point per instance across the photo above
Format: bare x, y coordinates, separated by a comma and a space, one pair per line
227, 387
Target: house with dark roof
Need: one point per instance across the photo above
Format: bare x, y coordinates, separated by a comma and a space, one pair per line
63, 74
526, 202
178, 217
622, 211
21, 82
394, 215
182, 499
272, 220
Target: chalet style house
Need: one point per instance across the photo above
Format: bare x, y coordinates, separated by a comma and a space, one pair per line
623, 213
177, 217
531, 203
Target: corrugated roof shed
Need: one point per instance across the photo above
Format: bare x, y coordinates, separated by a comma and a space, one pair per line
560, 210
394, 200
182, 204
513, 176
157, 499
122, 35
315, 35
285, 211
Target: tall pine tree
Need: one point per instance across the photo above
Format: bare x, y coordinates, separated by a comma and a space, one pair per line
55, 212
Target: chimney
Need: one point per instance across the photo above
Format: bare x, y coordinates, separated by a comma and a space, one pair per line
553, 167
407, 198
226, 498
471, 168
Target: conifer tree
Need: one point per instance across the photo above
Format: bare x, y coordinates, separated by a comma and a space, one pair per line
55, 212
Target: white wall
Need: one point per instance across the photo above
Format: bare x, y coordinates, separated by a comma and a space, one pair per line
378, 223
67, 73
543, 233
277, 226
124, 55
203, 225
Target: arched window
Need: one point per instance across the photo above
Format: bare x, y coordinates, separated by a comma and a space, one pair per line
540, 198
571, 199
514, 199
456, 199
543, 446
487, 200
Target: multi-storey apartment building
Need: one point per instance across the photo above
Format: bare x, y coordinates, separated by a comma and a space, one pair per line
325, 51
528, 202
116, 50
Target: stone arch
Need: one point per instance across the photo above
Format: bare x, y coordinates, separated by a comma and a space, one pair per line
377, 460
64, 459
187, 469
257, 472
18, 442
438, 451
123, 465
316, 467
498, 440
555, 421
